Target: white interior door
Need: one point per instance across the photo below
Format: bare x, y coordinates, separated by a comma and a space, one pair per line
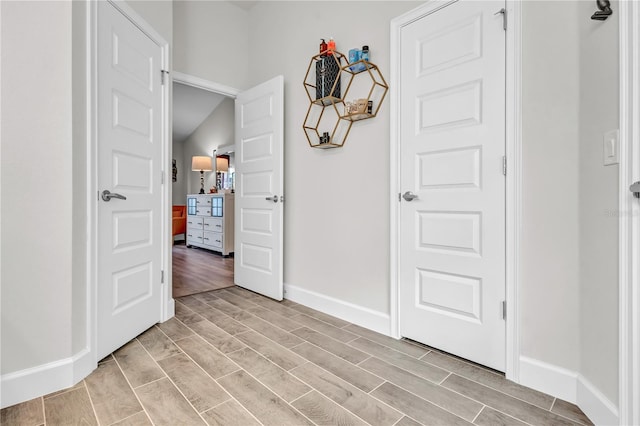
129, 145
259, 188
452, 143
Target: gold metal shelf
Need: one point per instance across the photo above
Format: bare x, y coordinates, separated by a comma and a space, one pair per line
338, 121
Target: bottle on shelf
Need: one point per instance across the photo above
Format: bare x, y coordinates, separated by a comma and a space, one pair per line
323, 47
331, 46
364, 55
354, 56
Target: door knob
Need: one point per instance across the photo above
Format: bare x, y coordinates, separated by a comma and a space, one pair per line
108, 195
408, 196
274, 198
635, 188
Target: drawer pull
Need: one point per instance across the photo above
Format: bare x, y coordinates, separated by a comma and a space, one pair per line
218, 241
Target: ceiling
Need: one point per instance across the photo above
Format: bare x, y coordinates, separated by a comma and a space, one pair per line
190, 108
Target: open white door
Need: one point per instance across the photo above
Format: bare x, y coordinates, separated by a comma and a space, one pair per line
259, 188
452, 147
129, 150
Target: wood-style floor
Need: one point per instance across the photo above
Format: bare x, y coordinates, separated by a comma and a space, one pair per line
196, 270
232, 357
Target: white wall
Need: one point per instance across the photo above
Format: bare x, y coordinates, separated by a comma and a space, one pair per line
569, 290
599, 82
216, 130
79, 184
211, 39
36, 184
549, 290
337, 208
158, 14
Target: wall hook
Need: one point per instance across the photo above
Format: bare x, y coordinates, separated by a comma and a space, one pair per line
604, 11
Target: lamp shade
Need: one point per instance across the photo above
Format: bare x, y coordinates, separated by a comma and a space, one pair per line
222, 164
201, 162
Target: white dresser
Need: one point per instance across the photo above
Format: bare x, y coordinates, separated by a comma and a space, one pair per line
210, 222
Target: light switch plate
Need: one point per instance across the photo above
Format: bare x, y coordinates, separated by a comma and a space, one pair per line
610, 148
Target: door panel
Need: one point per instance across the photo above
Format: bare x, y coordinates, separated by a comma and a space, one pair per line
452, 248
259, 176
129, 129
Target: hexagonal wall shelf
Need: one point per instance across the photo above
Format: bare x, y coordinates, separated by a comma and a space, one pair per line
321, 119
331, 113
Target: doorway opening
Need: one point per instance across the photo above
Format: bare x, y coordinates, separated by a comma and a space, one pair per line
202, 244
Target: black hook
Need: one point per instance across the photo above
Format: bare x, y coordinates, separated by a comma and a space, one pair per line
604, 11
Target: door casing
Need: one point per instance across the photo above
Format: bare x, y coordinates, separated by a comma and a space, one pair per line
629, 222
513, 178
168, 307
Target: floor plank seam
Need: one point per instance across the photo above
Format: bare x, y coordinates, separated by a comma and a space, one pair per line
311, 389
130, 386
478, 414
93, 407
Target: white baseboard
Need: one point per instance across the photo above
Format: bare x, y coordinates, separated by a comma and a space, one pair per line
599, 409
569, 386
34, 382
541, 376
356, 314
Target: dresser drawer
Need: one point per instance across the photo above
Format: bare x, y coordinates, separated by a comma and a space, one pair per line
195, 236
203, 201
194, 222
203, 211
212, 224
213, 239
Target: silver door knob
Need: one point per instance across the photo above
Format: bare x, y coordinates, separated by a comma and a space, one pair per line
108, 195
635, 188
408, 196
274, 198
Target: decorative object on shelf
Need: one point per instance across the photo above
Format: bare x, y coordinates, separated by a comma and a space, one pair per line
327, 78
201, 163
604, 10
222, 165
174, 171
329, 112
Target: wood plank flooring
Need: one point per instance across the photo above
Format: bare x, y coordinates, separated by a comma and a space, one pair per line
232, 357
197, 270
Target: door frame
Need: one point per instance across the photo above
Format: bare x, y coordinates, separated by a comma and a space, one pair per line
167, 307
629, 226
201, 83
513, 153
209, 86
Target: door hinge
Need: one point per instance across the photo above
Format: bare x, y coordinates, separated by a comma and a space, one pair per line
503, 11
504, 309
399, 197
162, 177
504, 165
162, 75
162, 276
